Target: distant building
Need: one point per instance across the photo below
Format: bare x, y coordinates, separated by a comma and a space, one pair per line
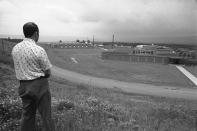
151, 54
124, 49
108, 45
71, 45
186, 53
152, 50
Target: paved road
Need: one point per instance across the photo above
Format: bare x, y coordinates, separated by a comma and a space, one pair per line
188, 74
146, 89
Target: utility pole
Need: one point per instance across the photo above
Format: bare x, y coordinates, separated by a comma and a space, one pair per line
113, 41
93, 40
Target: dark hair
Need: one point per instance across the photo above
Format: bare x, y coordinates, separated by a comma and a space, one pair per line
29, 29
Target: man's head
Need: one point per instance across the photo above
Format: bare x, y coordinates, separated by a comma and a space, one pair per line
31, 30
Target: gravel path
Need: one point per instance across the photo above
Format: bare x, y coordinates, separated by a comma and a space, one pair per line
146, 89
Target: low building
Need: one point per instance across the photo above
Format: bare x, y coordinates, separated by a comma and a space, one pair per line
72, 45
152, 50
186, 53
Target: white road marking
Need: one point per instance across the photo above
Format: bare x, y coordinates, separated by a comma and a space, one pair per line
187, 74
74, 60
104, 49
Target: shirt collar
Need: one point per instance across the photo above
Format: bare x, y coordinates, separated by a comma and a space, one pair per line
29, 40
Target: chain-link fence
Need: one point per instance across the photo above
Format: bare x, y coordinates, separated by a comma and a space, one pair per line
6, 47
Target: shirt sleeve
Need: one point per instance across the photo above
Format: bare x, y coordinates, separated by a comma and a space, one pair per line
45, 64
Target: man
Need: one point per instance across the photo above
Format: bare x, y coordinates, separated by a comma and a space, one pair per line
32, 68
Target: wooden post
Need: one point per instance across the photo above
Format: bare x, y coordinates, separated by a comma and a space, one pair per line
163, 60
138, 58
130, 58
146, 58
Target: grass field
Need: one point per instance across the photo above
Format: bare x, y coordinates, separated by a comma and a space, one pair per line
78, 107
89, 62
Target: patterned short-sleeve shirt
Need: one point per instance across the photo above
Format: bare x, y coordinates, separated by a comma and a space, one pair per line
30, 60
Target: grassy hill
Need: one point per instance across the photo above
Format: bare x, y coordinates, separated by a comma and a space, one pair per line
77, 107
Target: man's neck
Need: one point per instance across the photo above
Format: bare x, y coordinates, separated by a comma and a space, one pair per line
31, 39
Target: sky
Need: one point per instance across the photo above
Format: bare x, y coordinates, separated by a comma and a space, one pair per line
129, 20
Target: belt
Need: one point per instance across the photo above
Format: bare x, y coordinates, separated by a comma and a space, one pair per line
22, 81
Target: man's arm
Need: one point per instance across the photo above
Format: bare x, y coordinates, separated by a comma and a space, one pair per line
45, 64
47, 73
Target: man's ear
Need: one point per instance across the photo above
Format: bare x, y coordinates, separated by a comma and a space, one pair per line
37, 33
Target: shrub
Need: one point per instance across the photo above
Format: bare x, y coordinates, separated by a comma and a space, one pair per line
10, 113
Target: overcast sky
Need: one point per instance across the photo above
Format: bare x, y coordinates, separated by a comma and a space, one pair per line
129, 20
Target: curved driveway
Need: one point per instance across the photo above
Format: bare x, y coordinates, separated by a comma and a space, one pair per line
145, 89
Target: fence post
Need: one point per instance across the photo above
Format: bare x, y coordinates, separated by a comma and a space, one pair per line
163, 60
130, 58
138, 58
146, 58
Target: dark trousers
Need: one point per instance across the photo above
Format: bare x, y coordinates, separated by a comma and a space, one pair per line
35, 95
